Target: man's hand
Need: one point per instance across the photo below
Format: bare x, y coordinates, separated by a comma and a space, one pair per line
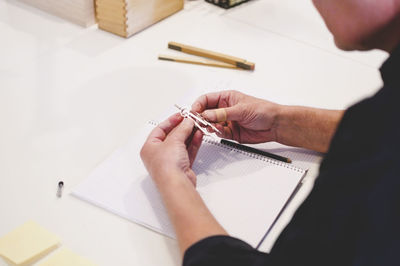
168, 155
238, 116
251, 120
170, 150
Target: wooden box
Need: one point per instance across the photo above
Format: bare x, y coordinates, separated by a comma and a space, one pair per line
80, 12
127, 17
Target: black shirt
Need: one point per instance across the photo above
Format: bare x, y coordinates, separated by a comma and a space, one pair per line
352, 215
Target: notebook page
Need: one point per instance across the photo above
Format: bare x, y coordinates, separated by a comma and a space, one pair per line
111, 185
245, 194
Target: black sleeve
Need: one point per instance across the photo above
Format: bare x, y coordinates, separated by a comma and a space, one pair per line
223, 250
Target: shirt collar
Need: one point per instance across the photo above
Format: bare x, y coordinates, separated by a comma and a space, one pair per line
390, 70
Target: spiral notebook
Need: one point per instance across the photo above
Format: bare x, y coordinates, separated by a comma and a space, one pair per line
244, 191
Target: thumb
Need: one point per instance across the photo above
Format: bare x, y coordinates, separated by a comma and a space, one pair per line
183, 130
233, 113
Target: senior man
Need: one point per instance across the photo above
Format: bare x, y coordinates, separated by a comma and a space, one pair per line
352, 215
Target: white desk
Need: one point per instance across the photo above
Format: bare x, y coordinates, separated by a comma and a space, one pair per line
69, 96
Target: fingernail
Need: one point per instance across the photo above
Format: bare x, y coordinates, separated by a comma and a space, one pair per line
196, 107
210, 115
188, 122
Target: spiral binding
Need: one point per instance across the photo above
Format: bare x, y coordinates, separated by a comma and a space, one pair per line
253, 155
209, 140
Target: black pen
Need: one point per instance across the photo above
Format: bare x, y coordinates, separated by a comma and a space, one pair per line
256, 151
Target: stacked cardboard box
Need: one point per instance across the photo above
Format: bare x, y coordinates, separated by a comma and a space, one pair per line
126, 17
80, 12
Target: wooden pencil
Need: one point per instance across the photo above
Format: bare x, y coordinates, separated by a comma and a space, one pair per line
238, 62
196, 61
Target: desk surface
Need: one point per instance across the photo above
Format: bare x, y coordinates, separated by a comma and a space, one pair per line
69, 96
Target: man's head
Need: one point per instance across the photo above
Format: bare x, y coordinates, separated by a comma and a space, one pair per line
362, 24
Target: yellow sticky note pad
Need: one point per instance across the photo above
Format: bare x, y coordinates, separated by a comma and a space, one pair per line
27, 243
65, 257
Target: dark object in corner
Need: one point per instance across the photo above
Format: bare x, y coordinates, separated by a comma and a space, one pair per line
227, 3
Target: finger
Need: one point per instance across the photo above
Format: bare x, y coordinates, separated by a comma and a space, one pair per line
160, 132
189, 139
228, 133
224, 131
224, 114
210, 100
183, 131
194, 146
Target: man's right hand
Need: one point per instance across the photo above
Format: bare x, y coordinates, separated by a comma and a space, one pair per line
238, 116
248, 119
